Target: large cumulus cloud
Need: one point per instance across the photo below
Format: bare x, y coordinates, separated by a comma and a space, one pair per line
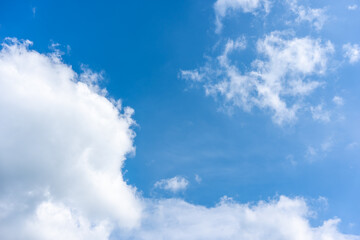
61, 143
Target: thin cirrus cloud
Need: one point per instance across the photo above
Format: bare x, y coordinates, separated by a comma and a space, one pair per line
63, 144
283, 70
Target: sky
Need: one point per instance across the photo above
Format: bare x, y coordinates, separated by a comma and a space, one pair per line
222, 119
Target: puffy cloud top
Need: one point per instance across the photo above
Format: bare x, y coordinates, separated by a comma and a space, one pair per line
62, 145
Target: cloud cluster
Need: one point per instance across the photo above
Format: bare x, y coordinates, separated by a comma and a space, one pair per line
62, 147
278, 80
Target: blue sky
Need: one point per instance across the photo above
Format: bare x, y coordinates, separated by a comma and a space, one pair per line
247, 99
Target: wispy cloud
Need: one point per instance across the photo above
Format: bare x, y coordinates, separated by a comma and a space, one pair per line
282, 71
320, 114
225, 7
315, 16
352, 52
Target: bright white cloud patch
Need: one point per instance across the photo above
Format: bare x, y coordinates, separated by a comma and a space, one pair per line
352, 52
224, 7
353, 7
339, 101
174, 184
282, 219
278, 78
56, 221
62, 147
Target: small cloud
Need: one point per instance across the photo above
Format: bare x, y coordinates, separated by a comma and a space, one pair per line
352, 52
353, 7
339, 101
320, 151
352, 145
33, 11
174, 184
192, 75
319, 114
291, 160
198, 178
68, 49
327, 145
311, 151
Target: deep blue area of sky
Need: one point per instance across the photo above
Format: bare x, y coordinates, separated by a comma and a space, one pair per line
141, 46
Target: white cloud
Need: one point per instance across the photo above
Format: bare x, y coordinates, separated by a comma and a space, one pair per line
320, 114
352, 52
191, 75
311, 152
339, 101
174, 184
198, 179
353, 7
55, 221
327, 145
62, 147
315, 16
224, 7
278, 77
281, 219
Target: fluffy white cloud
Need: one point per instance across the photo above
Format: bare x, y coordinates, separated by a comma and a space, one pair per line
339, 101
224, 7
55, 221
315, 16
174, 184
62, 147
352, 52
282, 219
277, 79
